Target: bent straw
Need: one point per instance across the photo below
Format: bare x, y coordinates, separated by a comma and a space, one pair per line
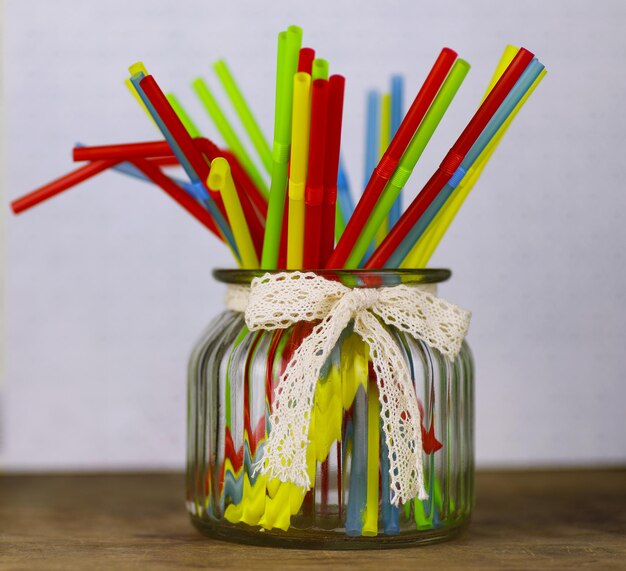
60, 184
314, 191
439, 226
233, 142
186, 120
387, 165
221, 180
516, 94
305, 60
383, 138
128, 151
336, 88
249, 122
319, 69
297, 178
452, 160
193, 207
409, 159
397, 104
287, 62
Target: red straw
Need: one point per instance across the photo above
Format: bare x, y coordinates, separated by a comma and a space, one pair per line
452, 160
305, 60
284, 234
389, 161
60, 184
178, 132
336, 87
123, 152
190, 204
314, 191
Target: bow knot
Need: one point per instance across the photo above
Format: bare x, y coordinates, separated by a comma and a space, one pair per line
360, 299
277, 301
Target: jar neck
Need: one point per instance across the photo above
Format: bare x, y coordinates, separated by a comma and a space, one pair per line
349, 278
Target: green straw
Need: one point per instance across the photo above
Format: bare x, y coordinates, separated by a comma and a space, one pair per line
183, 116
409, 160
245, 114
319, 69
287, 64
230, 137
340, 223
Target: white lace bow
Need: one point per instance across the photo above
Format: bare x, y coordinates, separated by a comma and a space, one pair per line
277, 301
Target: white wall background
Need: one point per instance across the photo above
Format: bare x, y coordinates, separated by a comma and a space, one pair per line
108, 286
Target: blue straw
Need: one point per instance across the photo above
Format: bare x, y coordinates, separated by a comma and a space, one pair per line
508, 105
182, 159
357, 498
372, 139
344, 198
397, 113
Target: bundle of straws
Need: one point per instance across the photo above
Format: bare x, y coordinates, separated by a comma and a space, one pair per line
306, 218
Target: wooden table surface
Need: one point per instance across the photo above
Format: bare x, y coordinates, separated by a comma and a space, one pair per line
529, 519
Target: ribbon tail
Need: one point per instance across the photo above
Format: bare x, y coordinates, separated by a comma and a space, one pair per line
399, 410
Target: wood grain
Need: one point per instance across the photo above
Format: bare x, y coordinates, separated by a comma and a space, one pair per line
530, 519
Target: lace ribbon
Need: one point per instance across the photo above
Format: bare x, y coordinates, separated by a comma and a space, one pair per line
277, 301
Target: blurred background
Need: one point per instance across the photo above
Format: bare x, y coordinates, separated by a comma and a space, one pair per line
106, 288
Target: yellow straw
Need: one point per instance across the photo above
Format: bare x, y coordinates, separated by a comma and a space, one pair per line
301, 118
221, 180
370, 519
385, 135
425, 247
133, 69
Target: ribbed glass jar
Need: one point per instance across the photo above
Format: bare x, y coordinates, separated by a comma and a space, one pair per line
232, 375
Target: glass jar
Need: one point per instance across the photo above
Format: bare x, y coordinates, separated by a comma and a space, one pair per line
232, 375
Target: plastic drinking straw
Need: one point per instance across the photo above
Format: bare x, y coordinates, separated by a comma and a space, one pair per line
133, 91
305, 60
221, 180
397, 106
336, 88
60, 184
383, 138
244, 113
452, 206
371, 133
319, 69
512, 99
370, 519
452, 160
191, 205
409, 159
314, 191
224, 127
287, 62
427, 244
186, 120
297, 176
357, 498
156, 116
387, 165
345, 203
180, 142
123, 151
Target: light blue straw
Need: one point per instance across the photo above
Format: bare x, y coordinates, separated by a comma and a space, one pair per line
522, 85
344, 198
397, 113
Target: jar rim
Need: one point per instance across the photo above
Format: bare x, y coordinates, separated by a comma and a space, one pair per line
351, 278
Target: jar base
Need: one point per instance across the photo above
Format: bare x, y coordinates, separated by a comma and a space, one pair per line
321, 538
